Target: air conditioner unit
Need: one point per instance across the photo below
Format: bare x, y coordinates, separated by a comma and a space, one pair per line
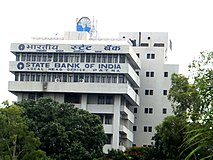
45, 85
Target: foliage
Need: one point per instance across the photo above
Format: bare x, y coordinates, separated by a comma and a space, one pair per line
114, 154
193, 98
16, 141
169, 137
64, 130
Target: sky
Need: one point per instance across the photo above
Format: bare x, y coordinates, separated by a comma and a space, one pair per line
189, 24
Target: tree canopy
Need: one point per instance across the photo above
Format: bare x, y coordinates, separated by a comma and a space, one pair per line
16, 141
65, 132
193, 98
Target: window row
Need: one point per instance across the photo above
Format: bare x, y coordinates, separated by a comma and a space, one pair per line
71, 77
154, 45
105, 99
71, 57
145, 128
106, 118
151, 92
150, 110
152, 74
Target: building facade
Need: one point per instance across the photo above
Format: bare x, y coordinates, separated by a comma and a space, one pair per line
124, 81
155, 75
96, 75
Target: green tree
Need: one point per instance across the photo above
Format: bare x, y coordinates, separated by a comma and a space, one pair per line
169, 138
193, 97
64, 130
16, 141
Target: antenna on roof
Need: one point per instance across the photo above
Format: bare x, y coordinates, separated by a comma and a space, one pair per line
93, 31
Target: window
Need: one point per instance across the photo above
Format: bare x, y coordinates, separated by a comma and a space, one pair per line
44, 58
38, 76
22, 77
122, 58
55, 57
16, 76
97, 78
134, 128
135, 110
27, 77
148, 92
17, 57
88, 58
93, 58
149, 74
109, 139
108, 119
114, 79
66, 58
164, 92
164, 110
86, 78
144, 44
31, 96
109, 99
32, 77
82, 57
28, 57
138, 54
61, 56
109, 58
148, 110
109, 78
39, 57
50, 57
76, 57
150, 56
101, 99
92, 78
103, 78
48, 77
158, 44
64, 77
115, 58
147, 129
98, 58
121, 78
104, 58
166, 74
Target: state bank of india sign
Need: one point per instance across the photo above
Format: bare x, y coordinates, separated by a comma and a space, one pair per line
69, 67
64, 48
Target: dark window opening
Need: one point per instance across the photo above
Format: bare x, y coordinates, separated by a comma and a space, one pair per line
72, 98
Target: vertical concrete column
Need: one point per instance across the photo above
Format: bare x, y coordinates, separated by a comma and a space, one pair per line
116, 121
20, 97
84, 101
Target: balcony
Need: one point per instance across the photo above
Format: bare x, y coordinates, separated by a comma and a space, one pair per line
108, 128
126, 133
126, 112
78, 87
100, 108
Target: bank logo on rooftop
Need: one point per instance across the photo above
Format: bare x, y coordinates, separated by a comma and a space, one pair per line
84, 24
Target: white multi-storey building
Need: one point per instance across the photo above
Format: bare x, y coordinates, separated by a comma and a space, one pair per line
124, 81
155, 76
96, 75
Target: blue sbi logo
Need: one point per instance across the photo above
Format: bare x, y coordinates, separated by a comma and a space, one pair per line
21, 47
20, 65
